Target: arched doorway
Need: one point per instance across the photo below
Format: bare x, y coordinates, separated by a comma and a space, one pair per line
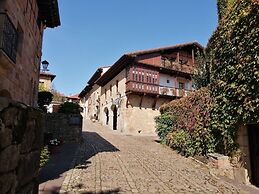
115, 117
106, 115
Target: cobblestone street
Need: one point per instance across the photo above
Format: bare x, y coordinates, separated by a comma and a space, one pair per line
109, 162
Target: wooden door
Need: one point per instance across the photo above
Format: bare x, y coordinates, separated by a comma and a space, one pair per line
253, 132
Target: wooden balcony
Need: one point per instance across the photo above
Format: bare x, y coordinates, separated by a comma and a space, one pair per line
153, 89
183, 66
8, 42
141, 87
173, 92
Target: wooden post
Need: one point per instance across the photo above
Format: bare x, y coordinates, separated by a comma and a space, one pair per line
178, 57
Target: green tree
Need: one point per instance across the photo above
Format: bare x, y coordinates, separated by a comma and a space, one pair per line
70, 108
44, 99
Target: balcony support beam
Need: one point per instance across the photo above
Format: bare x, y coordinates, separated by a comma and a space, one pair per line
141, 100
154, 103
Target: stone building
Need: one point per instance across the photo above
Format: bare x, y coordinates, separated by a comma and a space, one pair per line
128, 95
89, 97
22, 23
46, 79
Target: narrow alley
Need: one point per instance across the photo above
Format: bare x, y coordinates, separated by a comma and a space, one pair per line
109, 162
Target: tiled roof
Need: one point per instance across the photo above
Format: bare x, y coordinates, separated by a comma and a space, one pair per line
75, 97
153, 50
47, 74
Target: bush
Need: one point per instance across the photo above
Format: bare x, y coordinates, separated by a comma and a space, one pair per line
70, 108
164, 124
184, 124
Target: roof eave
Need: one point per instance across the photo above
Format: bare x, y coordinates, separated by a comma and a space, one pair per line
49, 12
115, 69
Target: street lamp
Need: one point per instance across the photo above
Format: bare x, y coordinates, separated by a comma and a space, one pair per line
45, 65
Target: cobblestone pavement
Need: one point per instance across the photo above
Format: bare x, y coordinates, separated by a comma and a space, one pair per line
109, 162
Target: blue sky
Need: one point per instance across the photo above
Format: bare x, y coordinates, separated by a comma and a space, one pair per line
96, 33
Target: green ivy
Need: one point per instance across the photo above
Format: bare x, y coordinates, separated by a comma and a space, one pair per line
164, 124
234, 48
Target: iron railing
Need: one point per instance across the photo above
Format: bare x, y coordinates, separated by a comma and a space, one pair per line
8, 37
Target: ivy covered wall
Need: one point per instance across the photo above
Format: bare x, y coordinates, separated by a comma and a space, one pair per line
234, 48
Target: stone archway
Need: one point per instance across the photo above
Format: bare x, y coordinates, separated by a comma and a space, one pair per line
106, 111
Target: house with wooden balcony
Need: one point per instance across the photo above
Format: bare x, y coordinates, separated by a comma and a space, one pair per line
21, 30
133, 89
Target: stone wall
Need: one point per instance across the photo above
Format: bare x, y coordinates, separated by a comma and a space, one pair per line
21, 138
21, 79
66, 127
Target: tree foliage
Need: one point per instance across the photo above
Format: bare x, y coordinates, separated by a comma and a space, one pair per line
44, 99
70, 108
201, 77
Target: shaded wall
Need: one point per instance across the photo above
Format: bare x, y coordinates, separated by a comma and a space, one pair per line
66, 127
21, 138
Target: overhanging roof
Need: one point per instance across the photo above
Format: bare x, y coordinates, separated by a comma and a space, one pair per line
165, 48
52, 76
115, 69
84, 91
49, 12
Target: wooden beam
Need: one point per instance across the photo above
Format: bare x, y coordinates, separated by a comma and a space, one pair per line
178, 57
141, 100
154, 103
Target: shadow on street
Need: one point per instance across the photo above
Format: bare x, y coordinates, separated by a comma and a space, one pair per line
60, 162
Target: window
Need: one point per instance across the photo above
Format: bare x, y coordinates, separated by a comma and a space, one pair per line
168, 81
110, 90
181, 85
105, 94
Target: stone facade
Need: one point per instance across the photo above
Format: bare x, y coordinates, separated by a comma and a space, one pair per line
128, 95
45, 82
67, 128
20, 54
21, 138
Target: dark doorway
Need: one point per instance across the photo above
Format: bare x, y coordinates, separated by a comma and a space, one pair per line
107, 117
253, 133
115, 118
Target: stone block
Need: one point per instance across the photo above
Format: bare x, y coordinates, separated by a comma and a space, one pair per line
28, 168
219, 161
6, 136
28, 139
241, 175
9, 158
7, 183
15, 119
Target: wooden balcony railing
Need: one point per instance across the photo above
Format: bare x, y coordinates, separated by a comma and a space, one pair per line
184, 67
142, 87
8, 37
176, 92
